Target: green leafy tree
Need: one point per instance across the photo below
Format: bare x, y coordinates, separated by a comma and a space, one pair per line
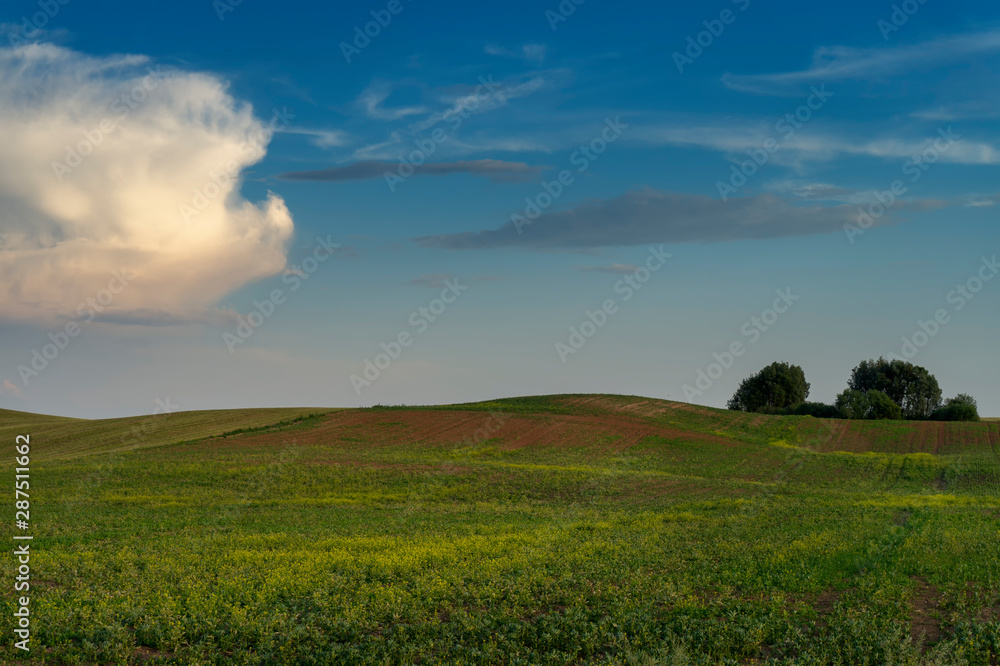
853, 404
963, 407
777, 386
870, 404
883, 407
816, 409
912, 387
962, 399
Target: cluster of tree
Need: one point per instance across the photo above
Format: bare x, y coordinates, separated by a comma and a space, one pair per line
876, 390
963, 407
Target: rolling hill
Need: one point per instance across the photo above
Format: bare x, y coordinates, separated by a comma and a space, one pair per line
543, 420
548, 529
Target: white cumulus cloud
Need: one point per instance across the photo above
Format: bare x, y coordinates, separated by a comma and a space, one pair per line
110, 164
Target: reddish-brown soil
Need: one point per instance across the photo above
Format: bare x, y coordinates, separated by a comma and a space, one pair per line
918, 437
143, 653
384, 428
825, 601
841, 438
923, 621
604, 423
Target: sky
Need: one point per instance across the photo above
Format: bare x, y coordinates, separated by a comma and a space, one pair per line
233, 204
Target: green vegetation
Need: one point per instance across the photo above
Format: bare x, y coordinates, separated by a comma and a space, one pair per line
912, 387
664, 533
818, 409
535, 404
870, 404
777, 386
962, 407
877, 390
65, 438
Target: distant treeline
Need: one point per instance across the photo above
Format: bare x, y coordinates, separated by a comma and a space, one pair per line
877, 389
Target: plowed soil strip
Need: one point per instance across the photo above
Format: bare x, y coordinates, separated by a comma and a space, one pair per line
386, 428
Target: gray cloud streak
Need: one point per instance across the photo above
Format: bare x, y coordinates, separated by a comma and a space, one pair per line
653, 216
496, 170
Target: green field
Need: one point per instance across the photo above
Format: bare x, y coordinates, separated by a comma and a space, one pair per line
549, 530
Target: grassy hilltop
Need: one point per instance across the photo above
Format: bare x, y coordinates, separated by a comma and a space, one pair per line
555, 529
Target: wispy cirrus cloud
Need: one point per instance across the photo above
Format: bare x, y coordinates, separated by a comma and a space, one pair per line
319, 138
372, 99
734, 136
972, 110
813, 191
983, 201
456, 109
530, 52
843, 195
840, 63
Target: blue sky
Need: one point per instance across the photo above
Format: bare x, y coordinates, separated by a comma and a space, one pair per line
557, 156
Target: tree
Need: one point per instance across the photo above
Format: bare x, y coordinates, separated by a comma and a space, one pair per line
963, 399
883, 407
870, 404
776, 386
912, 387
816, 409
963, 407
853, 404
